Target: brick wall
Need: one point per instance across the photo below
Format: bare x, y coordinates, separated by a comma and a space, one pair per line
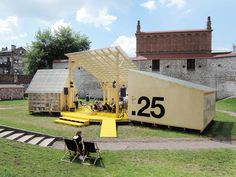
24, 79
173, 42
19, 79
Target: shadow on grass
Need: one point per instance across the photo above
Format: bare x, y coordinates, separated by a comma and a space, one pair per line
45, 114
89, 162
217, 130
220, 130
165, 128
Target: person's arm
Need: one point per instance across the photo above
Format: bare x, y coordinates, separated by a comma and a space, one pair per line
82, 140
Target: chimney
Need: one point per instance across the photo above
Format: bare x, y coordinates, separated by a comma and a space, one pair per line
209, 23
234, 48
13, 47
4, 49
138, 27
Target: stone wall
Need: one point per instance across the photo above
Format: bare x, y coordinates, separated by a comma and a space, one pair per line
218, 73
8, 92
84, 82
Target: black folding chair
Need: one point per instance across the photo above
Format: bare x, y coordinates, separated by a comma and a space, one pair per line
72, 149
91, 148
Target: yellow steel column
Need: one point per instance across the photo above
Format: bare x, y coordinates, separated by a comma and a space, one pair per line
71, 92
70, 68
104, 92
70, 79
117, 85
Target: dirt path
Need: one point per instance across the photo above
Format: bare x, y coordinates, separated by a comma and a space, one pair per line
11, 107
227, 112
172, 144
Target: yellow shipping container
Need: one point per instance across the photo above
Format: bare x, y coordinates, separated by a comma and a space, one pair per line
158, 99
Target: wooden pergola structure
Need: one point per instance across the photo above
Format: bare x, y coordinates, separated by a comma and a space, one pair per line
109, 66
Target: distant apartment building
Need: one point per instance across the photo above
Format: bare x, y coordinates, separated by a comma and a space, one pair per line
11, 60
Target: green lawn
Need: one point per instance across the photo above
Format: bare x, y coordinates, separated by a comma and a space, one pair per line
9, 103
21, 118
223, 127
20, 160
227, 104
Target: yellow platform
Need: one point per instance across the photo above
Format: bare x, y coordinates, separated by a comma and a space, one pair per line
84, 116
108, 128
78, 124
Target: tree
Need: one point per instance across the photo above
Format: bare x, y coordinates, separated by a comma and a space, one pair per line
51, 46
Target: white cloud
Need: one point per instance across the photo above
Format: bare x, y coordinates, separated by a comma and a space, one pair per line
221, 49
188, 11
51, 10
149, 5
177, 3
9, 23
59, 24
128, 44
99, 18
9, 29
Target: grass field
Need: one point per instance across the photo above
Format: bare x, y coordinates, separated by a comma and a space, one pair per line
227, 104
223, 127
21, 118
23, 160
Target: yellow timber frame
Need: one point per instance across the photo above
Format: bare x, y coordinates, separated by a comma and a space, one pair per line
106, 65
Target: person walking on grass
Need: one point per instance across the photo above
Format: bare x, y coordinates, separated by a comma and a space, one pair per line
79, 140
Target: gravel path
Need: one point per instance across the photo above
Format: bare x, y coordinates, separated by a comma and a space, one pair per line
173, 144
154, 144
228, 112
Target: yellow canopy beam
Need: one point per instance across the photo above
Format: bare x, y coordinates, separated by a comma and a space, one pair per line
106, 65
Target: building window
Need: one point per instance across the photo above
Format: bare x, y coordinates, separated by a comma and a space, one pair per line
155, 65
191, 64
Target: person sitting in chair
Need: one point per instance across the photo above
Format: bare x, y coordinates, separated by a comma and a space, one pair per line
113, 105
79, 140
107, 107
97, 106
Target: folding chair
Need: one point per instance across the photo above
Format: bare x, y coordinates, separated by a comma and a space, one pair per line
72, 149
89, 148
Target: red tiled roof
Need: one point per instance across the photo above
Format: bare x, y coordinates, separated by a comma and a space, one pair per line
138, 58
176, 31
173, 56
232, 54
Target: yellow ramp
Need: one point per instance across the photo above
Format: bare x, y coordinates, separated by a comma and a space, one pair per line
108, 128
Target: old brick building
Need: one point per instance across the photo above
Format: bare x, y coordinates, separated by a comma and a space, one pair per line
11, 60
174, 44
183, 54
12, 81
187, 55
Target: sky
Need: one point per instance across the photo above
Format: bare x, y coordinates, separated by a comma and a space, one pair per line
113, 22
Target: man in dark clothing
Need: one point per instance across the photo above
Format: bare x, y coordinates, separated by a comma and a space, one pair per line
87, 98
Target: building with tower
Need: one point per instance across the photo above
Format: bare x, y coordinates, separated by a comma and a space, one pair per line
187, 55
